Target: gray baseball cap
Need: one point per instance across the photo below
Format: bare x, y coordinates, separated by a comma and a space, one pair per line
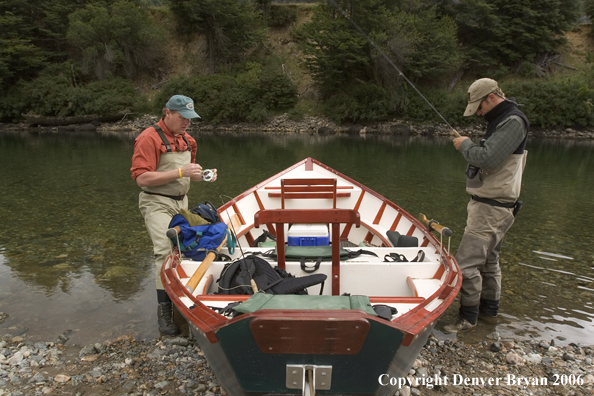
183, 105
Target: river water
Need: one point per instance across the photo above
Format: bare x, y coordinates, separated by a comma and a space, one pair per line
76, 261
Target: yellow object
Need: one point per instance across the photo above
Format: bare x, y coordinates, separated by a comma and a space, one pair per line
180, 175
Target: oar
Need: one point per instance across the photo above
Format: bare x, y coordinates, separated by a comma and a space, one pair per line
434, 226
197, 277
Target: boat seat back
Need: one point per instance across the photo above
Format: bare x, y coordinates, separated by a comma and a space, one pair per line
308, 189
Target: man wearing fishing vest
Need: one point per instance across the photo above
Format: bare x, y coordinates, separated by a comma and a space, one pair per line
163, 164
494, 180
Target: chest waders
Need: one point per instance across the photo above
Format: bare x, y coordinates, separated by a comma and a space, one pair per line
158, 204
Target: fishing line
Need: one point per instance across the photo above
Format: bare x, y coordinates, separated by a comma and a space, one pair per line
388, 59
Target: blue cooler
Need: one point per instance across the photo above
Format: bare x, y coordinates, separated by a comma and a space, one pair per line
309, 235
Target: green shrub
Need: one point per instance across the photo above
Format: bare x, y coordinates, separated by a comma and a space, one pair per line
251, 95
281, 15
567, 102
546, 103
55, 93
362, 102
116, 41
410, 105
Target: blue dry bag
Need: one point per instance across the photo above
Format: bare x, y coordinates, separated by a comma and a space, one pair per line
195, 242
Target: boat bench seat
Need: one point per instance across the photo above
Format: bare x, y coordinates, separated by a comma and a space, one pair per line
358, 275
292, 301
423, 287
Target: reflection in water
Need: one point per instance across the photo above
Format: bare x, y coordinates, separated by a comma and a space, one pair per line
74, 254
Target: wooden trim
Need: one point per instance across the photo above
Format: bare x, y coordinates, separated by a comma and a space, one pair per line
304, 216
207, 284
261, 206
180, 272
336, 259
317, 195
223, 297
308, 189
376, 233
280, 246
412, 229
343, 334
258, 200
337, 187
396, 300
412, 285
309, 164
378, 216
380, 213
396, 222
440, 271
347, 228
372, 299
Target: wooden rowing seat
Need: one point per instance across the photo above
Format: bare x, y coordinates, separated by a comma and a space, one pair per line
320, 188
334, 217
308, 189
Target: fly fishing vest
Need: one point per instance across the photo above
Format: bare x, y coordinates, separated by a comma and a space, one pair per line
504, 183
171, 160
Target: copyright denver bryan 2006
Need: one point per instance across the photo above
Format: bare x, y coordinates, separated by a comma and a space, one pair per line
458, 379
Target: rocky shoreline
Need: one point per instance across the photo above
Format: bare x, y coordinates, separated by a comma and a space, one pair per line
176, 366
308, 125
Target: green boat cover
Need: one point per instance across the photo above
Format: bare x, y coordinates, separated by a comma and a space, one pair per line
312, 252
292, 301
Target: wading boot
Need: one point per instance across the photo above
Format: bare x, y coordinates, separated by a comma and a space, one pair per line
165, 319
458, 326
488, 311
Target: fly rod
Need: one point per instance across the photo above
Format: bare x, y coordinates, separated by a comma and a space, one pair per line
383, 54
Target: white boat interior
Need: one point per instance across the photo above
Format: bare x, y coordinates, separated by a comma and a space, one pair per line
402, 285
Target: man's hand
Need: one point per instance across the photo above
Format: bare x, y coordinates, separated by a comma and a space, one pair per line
458, 141
193, 171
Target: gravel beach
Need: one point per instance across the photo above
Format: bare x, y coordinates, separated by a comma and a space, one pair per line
176, 366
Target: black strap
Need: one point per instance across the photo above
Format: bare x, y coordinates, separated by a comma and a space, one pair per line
310, 269
268, 286
359, 252
166, 142
493, 202
395, 257
175, 197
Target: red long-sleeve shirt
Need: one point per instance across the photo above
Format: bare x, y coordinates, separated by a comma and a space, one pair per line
148, 148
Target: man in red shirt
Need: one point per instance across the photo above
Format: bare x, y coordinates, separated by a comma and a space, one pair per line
163, 164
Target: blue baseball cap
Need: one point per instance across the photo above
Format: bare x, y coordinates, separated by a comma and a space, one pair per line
183, 105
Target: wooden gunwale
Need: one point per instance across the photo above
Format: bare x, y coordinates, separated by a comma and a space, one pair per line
411, 323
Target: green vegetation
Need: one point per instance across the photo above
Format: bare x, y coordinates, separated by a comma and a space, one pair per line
251, 94
232, 28
101, 57
502, 34
117, 41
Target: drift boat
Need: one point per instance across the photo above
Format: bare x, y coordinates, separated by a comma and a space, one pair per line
332, 340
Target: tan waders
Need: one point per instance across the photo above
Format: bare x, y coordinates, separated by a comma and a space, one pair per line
157, 211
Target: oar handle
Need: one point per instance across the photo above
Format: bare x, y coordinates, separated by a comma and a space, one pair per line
173, 232
201, 270
432, 225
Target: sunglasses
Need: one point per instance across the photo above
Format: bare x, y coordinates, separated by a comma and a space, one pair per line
481, 104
